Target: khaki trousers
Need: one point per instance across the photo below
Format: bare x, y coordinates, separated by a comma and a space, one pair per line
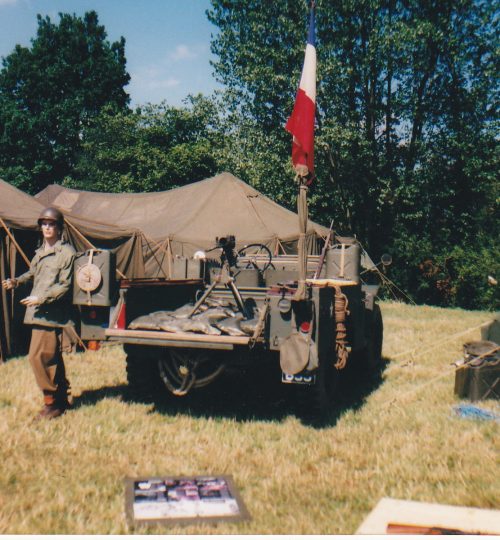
47, 363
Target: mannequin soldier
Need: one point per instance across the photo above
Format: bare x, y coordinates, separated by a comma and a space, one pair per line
48, 311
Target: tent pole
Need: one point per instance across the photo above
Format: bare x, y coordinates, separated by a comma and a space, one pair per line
90, 244
169, 259
276, 249
18, 247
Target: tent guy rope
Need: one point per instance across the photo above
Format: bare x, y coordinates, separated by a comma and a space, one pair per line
411, 352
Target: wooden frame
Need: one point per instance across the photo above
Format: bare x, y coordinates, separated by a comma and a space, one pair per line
183, 500
397, 516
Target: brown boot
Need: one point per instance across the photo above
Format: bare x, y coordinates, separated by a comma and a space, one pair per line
52, 408
50, 412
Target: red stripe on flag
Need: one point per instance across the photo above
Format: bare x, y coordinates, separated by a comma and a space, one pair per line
301, 126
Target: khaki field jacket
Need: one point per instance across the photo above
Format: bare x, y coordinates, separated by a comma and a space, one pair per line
51, 271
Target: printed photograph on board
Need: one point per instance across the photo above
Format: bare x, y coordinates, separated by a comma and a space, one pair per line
201, 497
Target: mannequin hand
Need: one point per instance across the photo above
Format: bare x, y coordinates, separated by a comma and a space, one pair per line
31, 301
10, 283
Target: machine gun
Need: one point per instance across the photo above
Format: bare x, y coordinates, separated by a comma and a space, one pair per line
228, 259
228, 245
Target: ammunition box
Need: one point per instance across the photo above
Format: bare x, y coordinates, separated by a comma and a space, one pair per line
478, 382
179, 268
194, 268
247, 277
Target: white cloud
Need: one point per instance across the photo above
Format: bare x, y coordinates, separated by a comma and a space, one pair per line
182, 52
150, 72
153, 78
172, 77
8, 2
163, 83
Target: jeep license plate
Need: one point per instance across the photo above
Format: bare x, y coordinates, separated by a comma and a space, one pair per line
299, 378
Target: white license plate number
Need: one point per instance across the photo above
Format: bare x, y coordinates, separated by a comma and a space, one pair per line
299, 378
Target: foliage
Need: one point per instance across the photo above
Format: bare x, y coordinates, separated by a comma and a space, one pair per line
406, 138
50, 92
256, 157
155, 148
449, 276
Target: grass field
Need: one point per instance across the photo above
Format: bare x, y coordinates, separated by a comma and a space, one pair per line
396, 437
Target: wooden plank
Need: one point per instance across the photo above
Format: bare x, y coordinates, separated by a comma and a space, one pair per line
174, 343
177, 336
391, 512
157, 282
329, 282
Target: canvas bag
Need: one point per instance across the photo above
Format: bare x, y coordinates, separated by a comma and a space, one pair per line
298, 351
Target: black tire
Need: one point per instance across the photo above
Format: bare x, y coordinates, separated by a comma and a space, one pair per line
315, 401
372, 354
202, 368
143, 377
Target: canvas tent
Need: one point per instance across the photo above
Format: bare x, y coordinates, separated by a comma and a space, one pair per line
146, 230
189, 218
19, 237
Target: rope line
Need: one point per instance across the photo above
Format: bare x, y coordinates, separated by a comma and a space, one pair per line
390, 284
441, 376
341, 305
449, 338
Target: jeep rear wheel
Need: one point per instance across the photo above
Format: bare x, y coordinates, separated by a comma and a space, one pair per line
142, 376
375, 334
316, 400
183, 369
368, 359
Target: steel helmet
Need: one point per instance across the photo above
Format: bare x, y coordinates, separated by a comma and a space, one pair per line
52, 214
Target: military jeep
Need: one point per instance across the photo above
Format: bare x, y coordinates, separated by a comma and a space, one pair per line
214, 315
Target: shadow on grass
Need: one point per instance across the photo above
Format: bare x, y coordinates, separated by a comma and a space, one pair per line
354, 388
243, 396
252, 395
91, 397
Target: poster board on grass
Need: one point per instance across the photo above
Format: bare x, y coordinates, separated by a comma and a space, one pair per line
182, 500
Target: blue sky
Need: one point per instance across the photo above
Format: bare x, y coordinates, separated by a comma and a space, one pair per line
167, 41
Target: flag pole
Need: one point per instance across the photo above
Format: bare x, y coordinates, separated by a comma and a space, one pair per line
303, 212
301, 126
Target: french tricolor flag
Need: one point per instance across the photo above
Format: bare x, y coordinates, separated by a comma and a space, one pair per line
301, 122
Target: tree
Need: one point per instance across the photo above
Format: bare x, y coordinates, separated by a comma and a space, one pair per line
51, 91
406, 147
154, 148
262, 74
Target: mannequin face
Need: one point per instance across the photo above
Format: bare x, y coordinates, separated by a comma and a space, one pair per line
50, 231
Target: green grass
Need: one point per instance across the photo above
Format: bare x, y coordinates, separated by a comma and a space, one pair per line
398, 440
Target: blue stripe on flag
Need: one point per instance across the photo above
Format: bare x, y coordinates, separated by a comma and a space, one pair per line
311, 37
